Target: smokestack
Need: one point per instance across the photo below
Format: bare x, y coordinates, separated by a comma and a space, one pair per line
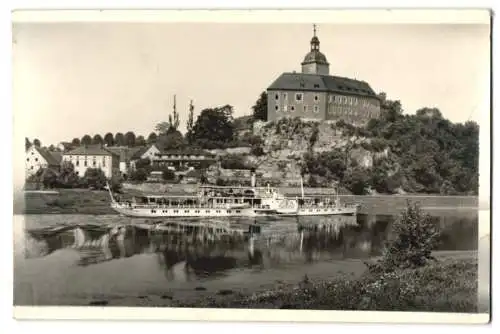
253, 180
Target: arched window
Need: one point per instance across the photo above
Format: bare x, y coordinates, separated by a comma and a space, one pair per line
316, 109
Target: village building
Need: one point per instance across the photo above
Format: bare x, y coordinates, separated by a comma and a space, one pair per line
314, 94
146, 152
93, 156
183, 160
39, 158
125, 153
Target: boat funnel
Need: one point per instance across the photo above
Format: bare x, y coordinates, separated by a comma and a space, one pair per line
253, 179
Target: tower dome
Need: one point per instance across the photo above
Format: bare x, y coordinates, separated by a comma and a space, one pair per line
315, 62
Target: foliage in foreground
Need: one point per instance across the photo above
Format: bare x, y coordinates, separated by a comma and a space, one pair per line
402, 280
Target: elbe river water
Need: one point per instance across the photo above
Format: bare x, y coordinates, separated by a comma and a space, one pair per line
74, 259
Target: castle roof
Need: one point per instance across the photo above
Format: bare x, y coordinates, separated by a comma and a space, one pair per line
321, 83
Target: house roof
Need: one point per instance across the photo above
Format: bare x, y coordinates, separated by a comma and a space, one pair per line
57, 156
90, 150
187, 151
321, 83
124, 152
51, 160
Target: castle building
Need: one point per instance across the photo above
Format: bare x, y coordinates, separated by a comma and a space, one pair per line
316, 95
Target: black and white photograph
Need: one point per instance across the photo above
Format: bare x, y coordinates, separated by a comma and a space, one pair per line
252, 160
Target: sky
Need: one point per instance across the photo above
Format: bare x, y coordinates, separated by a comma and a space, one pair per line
72, 79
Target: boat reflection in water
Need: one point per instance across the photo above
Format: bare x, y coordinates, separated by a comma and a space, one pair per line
208, 248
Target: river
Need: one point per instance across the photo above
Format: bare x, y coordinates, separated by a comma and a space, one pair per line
81, 259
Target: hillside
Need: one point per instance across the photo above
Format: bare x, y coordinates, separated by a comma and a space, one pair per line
397, 153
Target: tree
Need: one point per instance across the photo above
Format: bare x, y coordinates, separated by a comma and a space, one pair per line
27, 143
168, 175
173, 122
130, 139
140, 141
139, 174
75, 142
172, 140
162, 127
86, 140
49, 178
152, 138
213, 127
357, 181
52, 148
143, 164
97, 140
260, 108
109, 139
119, 139
415, 237
37, 142
94, 178
190, 123
67, 177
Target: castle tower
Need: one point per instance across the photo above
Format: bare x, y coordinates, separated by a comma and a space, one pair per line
315, 62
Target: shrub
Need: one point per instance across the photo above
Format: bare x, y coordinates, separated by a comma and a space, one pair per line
415, 237
168, 175
94, 178
139, 174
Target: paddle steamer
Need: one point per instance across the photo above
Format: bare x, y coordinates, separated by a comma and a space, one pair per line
239, 201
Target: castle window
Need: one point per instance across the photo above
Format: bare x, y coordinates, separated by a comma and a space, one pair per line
277, 96
85, 162
298, 97
292, 108
316, 98
305, 108
276, 108
27, 159
284, 96
36, 159
316, 109
103, 161
77, 162
345, 99
316, 86
355, 101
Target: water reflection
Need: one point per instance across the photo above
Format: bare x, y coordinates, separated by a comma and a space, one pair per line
202, 249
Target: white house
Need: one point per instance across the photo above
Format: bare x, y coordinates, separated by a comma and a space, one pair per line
93, 156
37, 158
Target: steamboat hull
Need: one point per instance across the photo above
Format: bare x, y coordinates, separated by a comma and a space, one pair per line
183, 213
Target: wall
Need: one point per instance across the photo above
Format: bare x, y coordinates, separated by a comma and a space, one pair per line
295, 108
34, 161
352, 109
106, 163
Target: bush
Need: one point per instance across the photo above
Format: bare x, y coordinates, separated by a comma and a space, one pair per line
415, 237
139, 174
234, 161
94, 178
168, 175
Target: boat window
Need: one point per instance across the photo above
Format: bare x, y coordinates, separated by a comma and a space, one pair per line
238, 211
176, 211
153, 211
207, 211
186, 211
228, 211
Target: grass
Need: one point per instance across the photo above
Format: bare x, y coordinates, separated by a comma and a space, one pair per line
447, 285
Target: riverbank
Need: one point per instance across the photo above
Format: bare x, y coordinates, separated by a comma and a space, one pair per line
82, 201
447, 285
